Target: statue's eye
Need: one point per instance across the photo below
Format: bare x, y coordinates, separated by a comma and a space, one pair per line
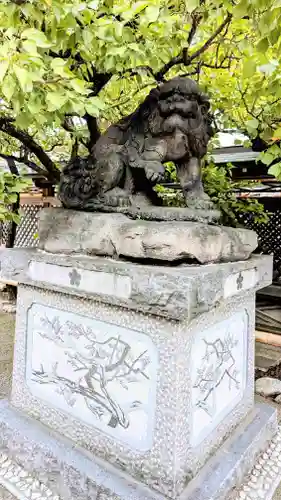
193, 98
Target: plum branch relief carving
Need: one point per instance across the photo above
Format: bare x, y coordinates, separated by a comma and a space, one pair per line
218, 363
219, 360
98, 372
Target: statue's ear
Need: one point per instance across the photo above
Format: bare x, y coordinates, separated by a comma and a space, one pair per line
205, 106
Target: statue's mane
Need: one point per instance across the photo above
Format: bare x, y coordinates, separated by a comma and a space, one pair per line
136, 119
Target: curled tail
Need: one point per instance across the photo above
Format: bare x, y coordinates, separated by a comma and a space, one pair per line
77, 183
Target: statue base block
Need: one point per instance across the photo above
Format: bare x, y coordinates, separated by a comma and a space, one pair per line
37, 464
115, 235
134, 382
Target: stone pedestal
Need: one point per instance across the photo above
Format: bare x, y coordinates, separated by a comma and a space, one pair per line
134, 381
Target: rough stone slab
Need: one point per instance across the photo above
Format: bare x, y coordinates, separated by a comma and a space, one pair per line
73, 232
72, 474
151, 212
267, 360
267, 386
179, 292
12, 264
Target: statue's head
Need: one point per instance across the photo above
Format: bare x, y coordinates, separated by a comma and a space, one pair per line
178, 111
181, 114
182, 96
182, 105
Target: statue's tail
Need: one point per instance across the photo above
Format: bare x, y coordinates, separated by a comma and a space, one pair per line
77, 183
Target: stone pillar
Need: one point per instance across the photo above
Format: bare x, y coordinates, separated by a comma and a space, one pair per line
134, 381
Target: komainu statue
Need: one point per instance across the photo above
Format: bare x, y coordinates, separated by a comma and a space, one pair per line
173, 124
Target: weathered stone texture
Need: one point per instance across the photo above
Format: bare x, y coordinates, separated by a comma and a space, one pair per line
115, 235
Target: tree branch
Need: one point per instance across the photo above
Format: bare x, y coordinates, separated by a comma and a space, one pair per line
196, 19
54, 146
184, 58
243, 94
212, 38
74, 149
15, 207
221, 65
93, 130
7, 126
27, 162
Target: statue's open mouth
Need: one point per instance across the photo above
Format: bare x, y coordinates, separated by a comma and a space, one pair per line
175, 123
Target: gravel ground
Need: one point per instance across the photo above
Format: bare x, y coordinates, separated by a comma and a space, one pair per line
277, 495
7, 322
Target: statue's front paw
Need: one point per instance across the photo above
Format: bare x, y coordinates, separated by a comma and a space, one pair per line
154, 172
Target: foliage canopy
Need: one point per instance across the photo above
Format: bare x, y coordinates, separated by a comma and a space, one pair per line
68, 68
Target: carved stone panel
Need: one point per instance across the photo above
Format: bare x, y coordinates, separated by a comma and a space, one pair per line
98, 372
218, 373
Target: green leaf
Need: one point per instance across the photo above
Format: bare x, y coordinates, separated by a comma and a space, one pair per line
59, 67
79, 86
88, 36
94, 105
36, 36
152, 13
263, 45
30, 47
192, 5
277, 133
275, 170
8, 87
97, 102
24, 78
252, 125
57, 62
266, 158
34, 104
241, 9
56, 100
11, 198
118, 51
4, 65
249, 68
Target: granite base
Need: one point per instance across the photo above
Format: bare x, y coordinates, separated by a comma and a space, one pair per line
93, 334
115, 235
36, 464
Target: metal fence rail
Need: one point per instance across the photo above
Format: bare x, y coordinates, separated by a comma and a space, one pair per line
269, 234
27, 229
